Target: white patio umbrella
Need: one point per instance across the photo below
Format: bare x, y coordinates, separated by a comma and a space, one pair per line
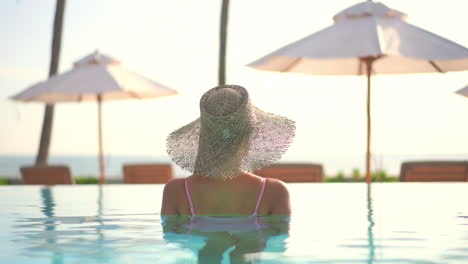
96, 77
463, 91
368, 38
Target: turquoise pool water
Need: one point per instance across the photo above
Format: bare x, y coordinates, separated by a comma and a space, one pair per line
331, 223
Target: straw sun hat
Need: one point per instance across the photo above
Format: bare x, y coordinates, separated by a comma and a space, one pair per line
230, 136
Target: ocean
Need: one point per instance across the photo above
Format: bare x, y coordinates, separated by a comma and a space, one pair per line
87, 165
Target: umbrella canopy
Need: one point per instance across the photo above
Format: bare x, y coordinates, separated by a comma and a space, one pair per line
93, 75
365, 30
463, 91
368, 38
96, 77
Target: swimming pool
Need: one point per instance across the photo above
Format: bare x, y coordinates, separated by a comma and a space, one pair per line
331, 223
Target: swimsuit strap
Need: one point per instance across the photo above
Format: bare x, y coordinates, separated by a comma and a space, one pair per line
260, 196
192, 209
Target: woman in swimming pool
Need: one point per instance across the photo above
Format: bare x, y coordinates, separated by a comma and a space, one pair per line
231, 139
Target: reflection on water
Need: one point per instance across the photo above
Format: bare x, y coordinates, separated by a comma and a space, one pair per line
76, 236
331, 223
101, 238
49, 223
238, 242
370, 231
55, 239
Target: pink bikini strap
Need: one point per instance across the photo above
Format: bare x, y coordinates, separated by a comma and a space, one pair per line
192, 209
260, 196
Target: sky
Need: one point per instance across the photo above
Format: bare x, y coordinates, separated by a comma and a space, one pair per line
176, 43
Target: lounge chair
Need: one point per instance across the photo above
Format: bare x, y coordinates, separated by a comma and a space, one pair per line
46, 175
434, 171
147, 173
293, 172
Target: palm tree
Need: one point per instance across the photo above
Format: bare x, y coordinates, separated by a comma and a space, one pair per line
43, 152
222, 42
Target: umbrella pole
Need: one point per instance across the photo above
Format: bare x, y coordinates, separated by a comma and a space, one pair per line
102, 179
368, 62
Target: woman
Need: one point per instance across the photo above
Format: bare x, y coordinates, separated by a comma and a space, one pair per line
231, 139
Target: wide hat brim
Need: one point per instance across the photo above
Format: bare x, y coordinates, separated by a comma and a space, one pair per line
270, 139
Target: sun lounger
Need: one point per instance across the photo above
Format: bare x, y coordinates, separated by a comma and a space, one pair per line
293, 172
46, 175
434, 171
147, 173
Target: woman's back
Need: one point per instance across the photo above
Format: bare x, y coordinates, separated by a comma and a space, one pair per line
230, 197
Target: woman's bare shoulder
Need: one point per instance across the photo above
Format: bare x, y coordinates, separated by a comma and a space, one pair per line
274, 186
174, 185
173, 191
277, 186
278, 197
